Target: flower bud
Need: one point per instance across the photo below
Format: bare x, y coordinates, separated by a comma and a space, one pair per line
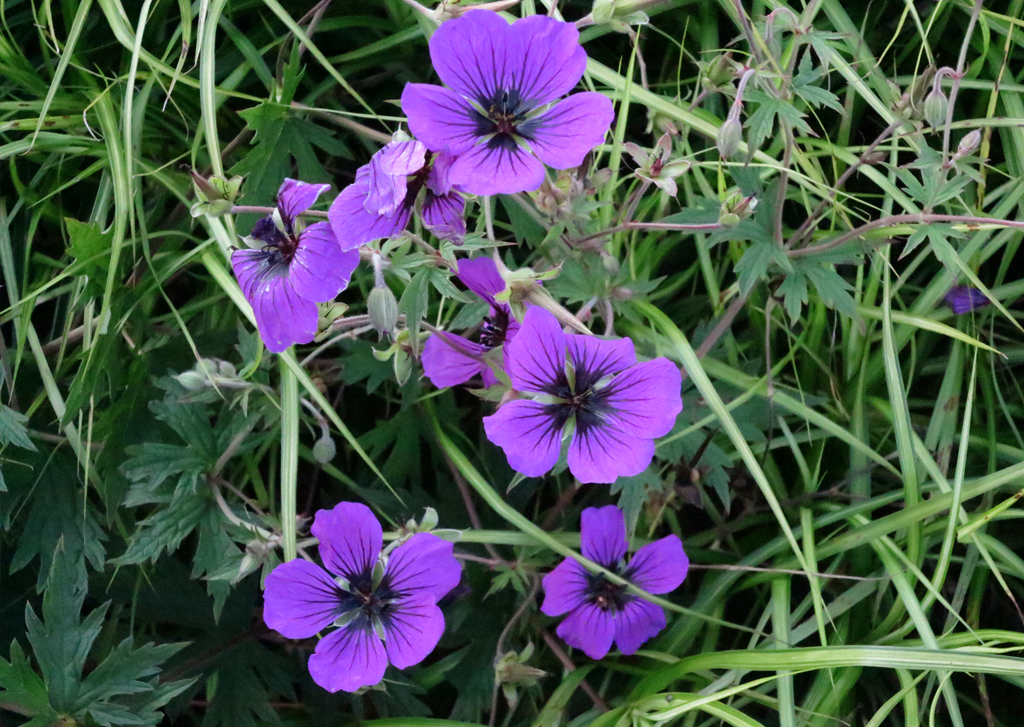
383, 310
729, 137
324, 449
429, 520
935, 107
403, 366
720, 71
602, 11
191, 380
969, 144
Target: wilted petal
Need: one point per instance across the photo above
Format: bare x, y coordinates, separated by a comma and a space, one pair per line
589, 628
283, 317
562, 136
638, 621
480, 274
301, 599
440, 118
535, 358
350, 539
603, 535
412, 628
565, 588
424, 564
603, 453
349, 658
321, 269
530, 436
387, 179
444, 214
354, 226
963, 298
595, 359
659, 567
439, 181
646, 398
450, 360
295, 197
498, 166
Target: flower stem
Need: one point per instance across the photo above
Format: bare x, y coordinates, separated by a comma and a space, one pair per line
289, 458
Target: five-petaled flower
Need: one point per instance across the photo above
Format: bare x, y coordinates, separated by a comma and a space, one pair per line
398, 605
496, 115
293, 269
379, 204
963, 299
601, 611
449, 359
617, 406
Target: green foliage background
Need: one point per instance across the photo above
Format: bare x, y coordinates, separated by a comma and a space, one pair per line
844, 475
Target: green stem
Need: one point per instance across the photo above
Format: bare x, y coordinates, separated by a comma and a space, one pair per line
289, 457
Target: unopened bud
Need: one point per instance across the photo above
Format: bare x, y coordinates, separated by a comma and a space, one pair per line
428, 521
729, 137
935, 107
403, 366
720, 72
191, 380
383, 310
602, 11
969, 144
324, 449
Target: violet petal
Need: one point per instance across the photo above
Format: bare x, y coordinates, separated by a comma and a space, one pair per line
444, 214
646, 398
450, 360
562, 136
350, 539
659, 567
295, 197
535, 358
440, 118
603, 453
349, 658
301, 599
589, 628
354, 226
498, 166
528, 434
321, 269
412, 628
565, 588
638, 621
424, 564
283, 317
603, 535
480, 274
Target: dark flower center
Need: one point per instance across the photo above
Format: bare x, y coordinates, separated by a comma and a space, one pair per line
506, 111
583, 401
606, 595
280, 246
495, 326
373, 602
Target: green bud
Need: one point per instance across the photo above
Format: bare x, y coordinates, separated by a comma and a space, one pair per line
728, 219
191, 380
383, 310
729, 137
429, 520
403, 366
935, 107
720, 71
602, 11
324, 449
969, 144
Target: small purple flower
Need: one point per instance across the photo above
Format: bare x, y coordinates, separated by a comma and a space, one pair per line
599, 610
496, 115
449, 359
293, 270
963, 299
614, 406
381, 617
379, 204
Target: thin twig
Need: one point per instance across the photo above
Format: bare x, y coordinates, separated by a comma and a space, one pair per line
567, 664
954, 87
500, 648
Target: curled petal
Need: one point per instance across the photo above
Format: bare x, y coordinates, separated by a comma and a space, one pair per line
963, 299
530, 436
423, 565
441, 118
450, 360
387, 179
498, 166
443, 215
603, 535
638, 621
439, 180
321, 269
659, 567
565, 588
412, 628
480, 274
562, 136
589, 628
354, 226
646, 398
350, 540
535, 358
301, 599
349, 658
295, 197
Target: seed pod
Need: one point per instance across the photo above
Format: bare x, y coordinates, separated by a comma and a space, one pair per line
935, 107
729, 137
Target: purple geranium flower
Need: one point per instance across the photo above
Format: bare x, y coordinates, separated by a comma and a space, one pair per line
448, 359
398, 606
496, 114
379, 204
293, 270
617, 406
963, 299
601, 611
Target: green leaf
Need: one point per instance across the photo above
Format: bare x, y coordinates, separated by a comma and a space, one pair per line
794, 292
632, 492
245, 678
805, 86
165, 529
90, 247
13, 430
125, 671
934, 232
414, 303
833, 289
21, 686
758, 260
762, 121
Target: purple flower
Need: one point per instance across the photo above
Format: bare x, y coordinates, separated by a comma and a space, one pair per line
450, 360
599, 610
379, 204
293, 270
963, 299
495, 116
616, 405
399, 606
